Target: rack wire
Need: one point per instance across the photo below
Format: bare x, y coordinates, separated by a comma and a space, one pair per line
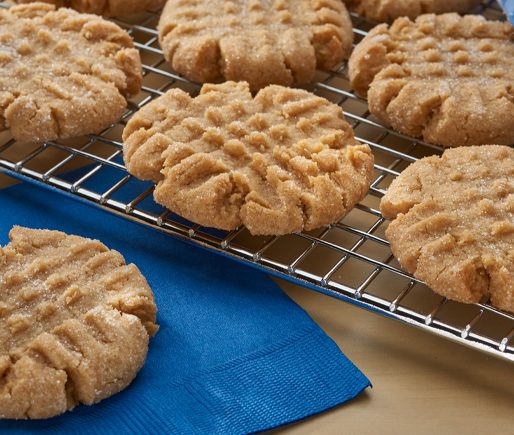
350, 260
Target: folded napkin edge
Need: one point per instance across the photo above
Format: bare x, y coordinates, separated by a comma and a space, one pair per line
277, 385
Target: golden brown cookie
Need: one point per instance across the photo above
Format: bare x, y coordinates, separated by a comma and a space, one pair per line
111, 8
74, 323
281, 162
445, 78
388, 10
63, 74
453, 223
259, 41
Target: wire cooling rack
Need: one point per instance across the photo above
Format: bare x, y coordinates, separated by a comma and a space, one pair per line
350, 260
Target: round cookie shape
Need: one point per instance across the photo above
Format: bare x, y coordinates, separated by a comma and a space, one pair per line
453, 223
445, 78
64, 74
259, 41
110, 8
388, 10
278, 163
75, 322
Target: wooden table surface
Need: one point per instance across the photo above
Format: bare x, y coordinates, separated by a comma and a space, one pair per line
422, 384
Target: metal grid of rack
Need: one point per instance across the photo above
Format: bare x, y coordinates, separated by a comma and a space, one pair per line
350, 260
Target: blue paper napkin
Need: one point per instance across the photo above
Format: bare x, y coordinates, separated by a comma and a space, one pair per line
508, 7
234, 354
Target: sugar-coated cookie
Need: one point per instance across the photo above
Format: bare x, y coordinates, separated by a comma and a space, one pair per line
63, 73
75, 322
445, 78
453, 223
259, 41
281, 162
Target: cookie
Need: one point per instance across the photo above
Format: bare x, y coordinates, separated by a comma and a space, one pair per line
111, 8
259, 41
64, 74
453, 223
75, 321
388, 10
445, 78
278, 163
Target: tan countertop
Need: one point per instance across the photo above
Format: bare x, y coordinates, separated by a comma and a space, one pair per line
422, 383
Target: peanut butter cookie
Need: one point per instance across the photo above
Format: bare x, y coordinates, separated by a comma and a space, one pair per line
281, 162
261, 42
74, 323
453, 223
445, 78
388, 10
64, 74
111, 8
